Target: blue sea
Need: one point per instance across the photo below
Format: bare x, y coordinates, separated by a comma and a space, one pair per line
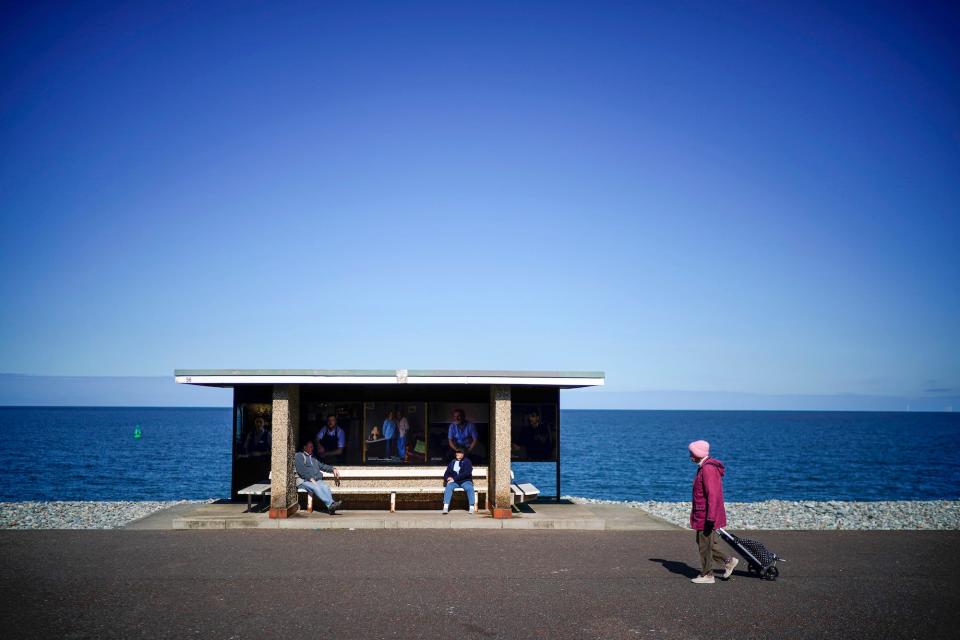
67, 453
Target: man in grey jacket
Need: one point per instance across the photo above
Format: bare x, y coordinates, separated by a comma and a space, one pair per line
311, 471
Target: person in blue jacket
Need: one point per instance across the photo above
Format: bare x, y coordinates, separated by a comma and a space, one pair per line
311, 472
459, 475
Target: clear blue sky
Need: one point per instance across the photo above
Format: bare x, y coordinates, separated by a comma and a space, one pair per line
687, 196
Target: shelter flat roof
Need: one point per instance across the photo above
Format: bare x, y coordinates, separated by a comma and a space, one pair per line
233, 377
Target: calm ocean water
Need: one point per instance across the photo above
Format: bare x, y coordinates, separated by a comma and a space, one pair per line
90, 453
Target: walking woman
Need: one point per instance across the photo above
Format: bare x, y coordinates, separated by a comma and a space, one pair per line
708, 513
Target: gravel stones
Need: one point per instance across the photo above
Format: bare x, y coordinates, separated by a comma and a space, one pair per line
769, 514
834, 514
78, 515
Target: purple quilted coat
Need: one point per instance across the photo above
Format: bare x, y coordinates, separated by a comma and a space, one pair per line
708, 496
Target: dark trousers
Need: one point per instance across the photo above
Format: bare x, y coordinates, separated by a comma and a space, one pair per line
709, 551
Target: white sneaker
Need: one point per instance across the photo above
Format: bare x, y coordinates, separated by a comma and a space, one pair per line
702, 580
728, 567
446, 509
472, 509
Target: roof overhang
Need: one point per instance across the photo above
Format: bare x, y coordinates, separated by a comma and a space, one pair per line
234, 377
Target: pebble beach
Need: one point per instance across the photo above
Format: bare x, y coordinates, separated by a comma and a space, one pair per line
766, 515
79, 515
813, 515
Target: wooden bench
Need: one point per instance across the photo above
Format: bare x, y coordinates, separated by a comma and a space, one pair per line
430, 481
367, 481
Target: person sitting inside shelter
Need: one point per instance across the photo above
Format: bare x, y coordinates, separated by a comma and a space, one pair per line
331, 441
311, 472
461, 434
459, 475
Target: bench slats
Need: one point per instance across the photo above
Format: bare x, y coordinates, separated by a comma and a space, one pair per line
385, 491
399, 472
356, 490
521, 492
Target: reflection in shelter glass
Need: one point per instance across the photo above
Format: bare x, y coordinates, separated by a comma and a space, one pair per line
335, 429
253, 432
459, 424
393, 433
253, 438
533, 430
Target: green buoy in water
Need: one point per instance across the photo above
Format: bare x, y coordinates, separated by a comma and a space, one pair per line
137, 434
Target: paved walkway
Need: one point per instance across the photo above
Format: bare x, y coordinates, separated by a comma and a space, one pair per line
545, 515
468, 584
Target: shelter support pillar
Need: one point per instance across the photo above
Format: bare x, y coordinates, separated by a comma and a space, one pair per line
286, 423
499, 496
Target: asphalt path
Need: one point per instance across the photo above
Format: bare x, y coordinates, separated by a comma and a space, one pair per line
468, 584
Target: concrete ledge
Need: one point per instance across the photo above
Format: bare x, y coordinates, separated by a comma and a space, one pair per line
567, 525
193, 523
546, 516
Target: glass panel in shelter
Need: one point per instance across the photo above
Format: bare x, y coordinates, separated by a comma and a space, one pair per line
533, 432
465, 425
394, 433
253, 438
336, 430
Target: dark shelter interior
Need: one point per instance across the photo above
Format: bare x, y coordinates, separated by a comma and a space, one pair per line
392, 425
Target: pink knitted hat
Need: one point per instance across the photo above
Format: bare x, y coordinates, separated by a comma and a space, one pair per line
699, 449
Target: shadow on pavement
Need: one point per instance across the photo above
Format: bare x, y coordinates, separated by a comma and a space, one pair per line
681, 568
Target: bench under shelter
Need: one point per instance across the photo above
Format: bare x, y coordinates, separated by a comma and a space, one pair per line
510, 416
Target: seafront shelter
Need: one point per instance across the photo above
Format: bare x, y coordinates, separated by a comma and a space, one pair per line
390, 432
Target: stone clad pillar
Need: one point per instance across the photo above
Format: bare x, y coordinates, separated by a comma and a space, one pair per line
286, 426
499, 497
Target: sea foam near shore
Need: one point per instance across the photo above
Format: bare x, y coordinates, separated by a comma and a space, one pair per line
79, 515
833, 515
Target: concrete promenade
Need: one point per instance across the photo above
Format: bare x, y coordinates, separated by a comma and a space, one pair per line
468, 584
539, 515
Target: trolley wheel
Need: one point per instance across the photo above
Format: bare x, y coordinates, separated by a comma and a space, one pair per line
771, 573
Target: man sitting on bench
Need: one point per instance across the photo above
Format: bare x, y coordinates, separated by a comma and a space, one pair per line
459, 475
311, 471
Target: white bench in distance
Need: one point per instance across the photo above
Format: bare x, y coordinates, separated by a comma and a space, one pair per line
259, 489
262, 489
524, 492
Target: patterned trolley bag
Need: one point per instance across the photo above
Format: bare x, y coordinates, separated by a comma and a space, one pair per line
760, 560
